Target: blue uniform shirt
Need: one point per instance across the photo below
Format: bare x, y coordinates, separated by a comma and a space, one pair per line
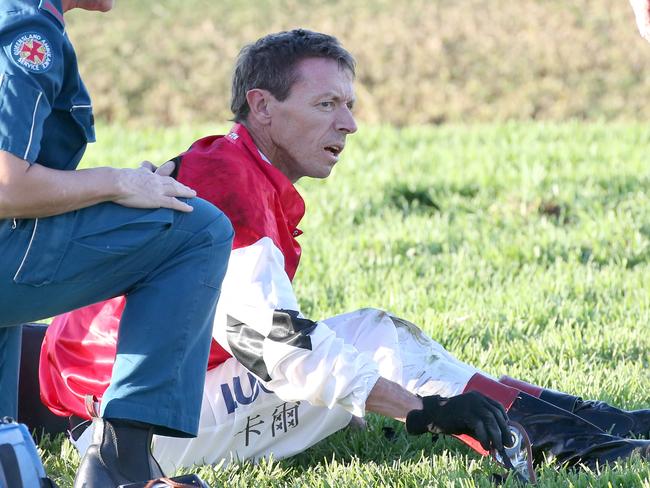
45, 110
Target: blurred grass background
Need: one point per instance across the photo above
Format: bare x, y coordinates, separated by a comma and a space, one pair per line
419, 61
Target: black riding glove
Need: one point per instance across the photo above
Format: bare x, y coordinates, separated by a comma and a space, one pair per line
470, 413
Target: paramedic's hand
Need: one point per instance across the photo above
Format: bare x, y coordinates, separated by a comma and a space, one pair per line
642, 14
470, 413
164, 169
151, 187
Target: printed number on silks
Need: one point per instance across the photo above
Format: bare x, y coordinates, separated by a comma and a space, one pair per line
235, 396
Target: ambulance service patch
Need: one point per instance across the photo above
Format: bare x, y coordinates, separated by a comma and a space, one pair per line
32, 51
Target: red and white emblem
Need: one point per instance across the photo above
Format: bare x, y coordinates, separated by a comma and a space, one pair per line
32, 51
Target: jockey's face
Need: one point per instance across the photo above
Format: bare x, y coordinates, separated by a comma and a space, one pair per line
308, 129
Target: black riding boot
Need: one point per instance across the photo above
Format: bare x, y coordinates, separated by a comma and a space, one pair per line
622, 423
120, 453
558, 434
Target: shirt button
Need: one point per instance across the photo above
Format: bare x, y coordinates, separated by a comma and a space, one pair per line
295, 233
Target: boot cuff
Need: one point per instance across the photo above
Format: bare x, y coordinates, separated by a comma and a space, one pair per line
529, 388
503, 394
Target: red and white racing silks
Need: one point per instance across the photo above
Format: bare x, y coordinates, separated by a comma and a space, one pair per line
258, 320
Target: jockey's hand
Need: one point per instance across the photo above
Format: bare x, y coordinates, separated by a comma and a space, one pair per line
471, 413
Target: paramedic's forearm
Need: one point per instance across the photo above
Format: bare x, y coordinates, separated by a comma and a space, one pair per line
37, 191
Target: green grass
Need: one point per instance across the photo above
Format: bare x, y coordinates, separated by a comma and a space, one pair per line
523, 248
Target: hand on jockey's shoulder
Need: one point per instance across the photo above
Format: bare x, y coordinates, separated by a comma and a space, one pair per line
32, 190
642, 16
469, 413
150, 186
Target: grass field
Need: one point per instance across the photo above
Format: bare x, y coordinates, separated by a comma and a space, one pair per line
523, 248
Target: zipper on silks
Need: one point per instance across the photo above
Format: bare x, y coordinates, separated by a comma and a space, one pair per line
31, 240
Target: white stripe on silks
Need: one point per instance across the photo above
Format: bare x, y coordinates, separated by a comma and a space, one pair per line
31, 132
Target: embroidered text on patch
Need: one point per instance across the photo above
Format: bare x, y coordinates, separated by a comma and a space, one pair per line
32, 51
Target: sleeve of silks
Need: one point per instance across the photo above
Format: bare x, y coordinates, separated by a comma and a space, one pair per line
258, 321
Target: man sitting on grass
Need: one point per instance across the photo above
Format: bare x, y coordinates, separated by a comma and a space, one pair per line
279, 382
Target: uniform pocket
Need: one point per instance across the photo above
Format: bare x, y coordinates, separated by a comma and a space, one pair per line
124, 238
83, 116
91, 244
109, 240
45, 250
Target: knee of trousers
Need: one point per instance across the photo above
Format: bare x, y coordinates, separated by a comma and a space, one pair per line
209, 220
216, 232
204, 216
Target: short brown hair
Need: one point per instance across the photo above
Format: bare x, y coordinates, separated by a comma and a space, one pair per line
269, 64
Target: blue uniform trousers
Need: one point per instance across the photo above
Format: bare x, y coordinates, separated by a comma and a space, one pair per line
169, 265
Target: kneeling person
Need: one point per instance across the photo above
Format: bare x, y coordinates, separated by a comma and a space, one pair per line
279, 382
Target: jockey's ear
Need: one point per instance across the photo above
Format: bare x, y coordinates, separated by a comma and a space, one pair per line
258, 103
